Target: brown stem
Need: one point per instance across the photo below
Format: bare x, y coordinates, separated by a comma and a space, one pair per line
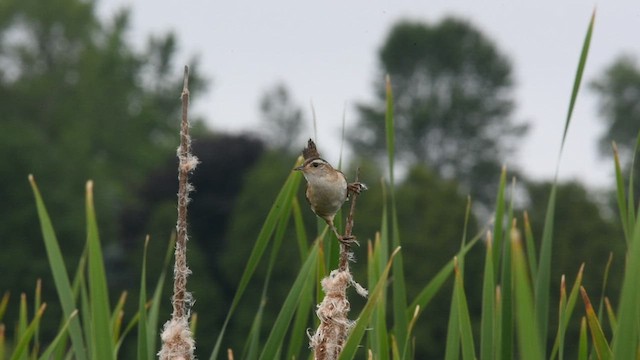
181, 271
177, 340
345, 248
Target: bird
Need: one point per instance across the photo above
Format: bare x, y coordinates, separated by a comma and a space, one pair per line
327, 188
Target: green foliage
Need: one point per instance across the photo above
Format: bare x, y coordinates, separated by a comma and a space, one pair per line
88, 323
78, 102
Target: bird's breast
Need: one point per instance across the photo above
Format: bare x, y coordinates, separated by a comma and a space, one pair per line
327, 194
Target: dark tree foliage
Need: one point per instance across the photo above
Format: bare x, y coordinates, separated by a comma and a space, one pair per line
618, 89
453, 101
218, 179
78, 102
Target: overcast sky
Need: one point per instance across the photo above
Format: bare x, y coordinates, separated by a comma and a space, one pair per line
326, 52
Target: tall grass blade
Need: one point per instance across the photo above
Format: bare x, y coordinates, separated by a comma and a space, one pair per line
353, 342
487, 345
3, 304
102, 339
465, 228
497, 341
605, 279
22, 347
498, 224
301, 234
300, 322
506, 282
542, 281
85, 310
116, 316
379, 258
390, 131
395, 352
466, 335
23, 318
583, 346
143, 344
625, 342
153, 316
599, 340
321, 272
59, 273
561, 316
283, 201
567, 311
578, 78
544, 267
621, 196
275, 340
384, 230
3, 341
611, 315
531, 247
452, 345
37, 302
62, 334
133, 323
412, 324
193, 324
530, 344
378, 339
399, 287
253, 342
631, 207
252, 350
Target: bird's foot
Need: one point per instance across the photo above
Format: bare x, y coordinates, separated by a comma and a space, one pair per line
348, 240
356, 187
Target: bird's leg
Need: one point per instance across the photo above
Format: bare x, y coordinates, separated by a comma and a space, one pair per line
346, 240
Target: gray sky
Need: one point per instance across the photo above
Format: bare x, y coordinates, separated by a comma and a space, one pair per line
326, 52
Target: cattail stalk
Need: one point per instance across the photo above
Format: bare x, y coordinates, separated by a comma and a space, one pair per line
177, 340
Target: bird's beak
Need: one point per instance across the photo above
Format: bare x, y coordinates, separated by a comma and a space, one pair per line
299, 168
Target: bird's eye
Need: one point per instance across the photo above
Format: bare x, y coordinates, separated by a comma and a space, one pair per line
315, 164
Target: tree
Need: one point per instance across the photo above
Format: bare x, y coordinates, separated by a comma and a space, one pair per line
619, 104
78, 102
453, 101
283, 119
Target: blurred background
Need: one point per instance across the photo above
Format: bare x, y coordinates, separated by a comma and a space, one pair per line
90, 90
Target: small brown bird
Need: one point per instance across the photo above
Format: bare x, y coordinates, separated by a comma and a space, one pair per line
327, 188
